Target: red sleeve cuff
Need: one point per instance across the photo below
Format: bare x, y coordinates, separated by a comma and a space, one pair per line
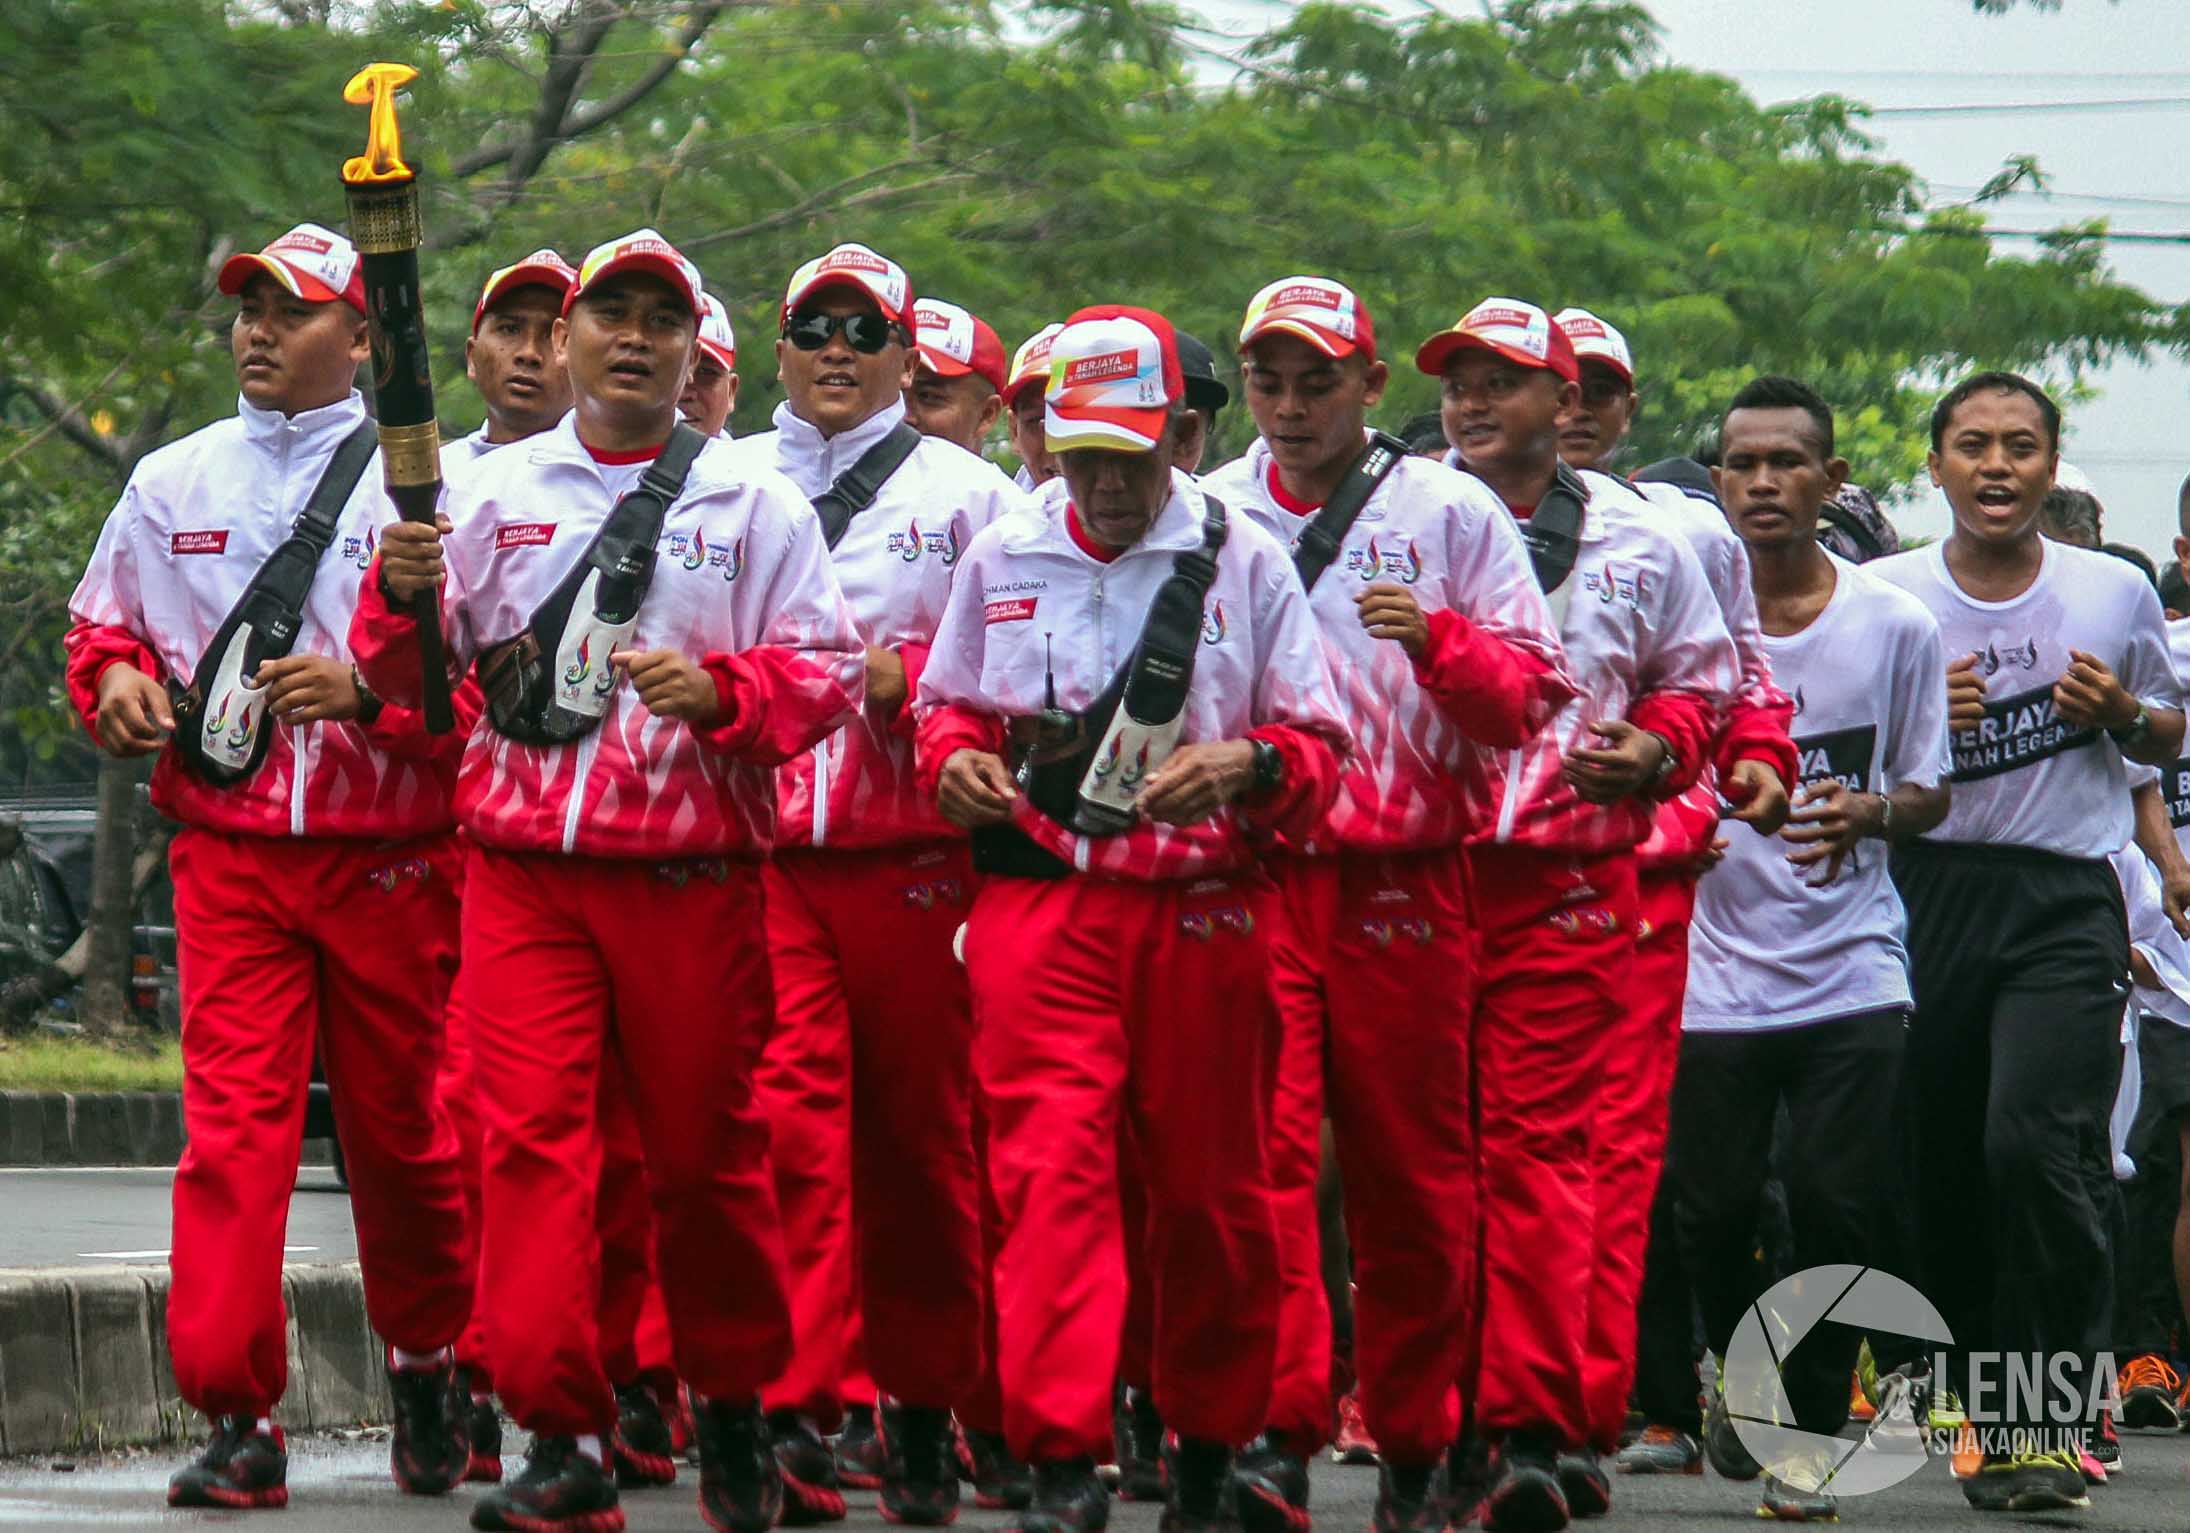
1500, 694
91, 649
1759, 733
1306, 787
914, 657
942, 733
1685, 721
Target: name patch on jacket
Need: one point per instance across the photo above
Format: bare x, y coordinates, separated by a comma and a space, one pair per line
1838, 755
209, 540
1016, 609
2014, 733
524, 535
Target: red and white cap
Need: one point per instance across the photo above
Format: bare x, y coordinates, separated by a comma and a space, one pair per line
1113, 376
1594, 340
1030, 363
854, 266
1327, 315
954, 342
640, 250
716, 337
311, 261
1519, 332
543, 268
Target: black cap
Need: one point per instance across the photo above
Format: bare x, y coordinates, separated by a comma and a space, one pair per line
1198, 366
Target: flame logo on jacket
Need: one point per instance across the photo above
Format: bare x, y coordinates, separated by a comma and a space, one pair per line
1381, 933
696, 554
1212, 626
1202, 925
733, 562
1377, 562
911, 549
951, 547
582, 667
2024, 658
926, 895
386, 878
219, 720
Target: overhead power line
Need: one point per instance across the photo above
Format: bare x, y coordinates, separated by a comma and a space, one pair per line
2021, 108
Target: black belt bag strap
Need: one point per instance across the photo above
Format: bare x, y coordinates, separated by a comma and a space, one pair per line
856, 488
550, 685
1322, 538
220, 722
1554, 535
1083, 770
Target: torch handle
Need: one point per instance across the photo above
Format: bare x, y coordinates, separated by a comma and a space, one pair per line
415, 503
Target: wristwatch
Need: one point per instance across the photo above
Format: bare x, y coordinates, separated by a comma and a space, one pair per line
369, 702
2133, 732
1269, 766
1666, 762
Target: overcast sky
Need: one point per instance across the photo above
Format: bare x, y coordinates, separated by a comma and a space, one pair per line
2128, 165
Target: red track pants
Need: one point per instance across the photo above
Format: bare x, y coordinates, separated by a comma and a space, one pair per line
281, 943
1629, 1151
567, 960
1558, 938
454, 1088
1099, 1003
634, 1321
867, 1084
1373, 965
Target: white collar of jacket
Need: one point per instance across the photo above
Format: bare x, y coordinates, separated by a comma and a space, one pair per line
324, 427
1593, 528
559, 447
1177, 527
813, 461
1258, 475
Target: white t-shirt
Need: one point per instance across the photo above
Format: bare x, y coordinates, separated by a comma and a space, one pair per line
1764, 949
2024, 777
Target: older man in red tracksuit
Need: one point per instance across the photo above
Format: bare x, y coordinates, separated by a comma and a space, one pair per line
315, 902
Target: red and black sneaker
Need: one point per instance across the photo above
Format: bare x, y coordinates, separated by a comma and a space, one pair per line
807, 1467
860, 1456
742, 1489
642, 1449
1409, 1499
1270, 1486
1201, 1489
1000, 1481
1525, 1496
1583, 1482
1139, 1430
1068, 1498
482, 1431
919, 1465
559, 1490
430, 1453
241, 1468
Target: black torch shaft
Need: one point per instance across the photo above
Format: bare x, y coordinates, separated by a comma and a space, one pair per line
384, 226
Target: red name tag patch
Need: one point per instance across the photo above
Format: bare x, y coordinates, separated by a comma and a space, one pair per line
1017, 610
524, 535
211, 540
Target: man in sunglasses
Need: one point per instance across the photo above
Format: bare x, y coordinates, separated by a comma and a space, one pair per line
1554, 882
1753, 762
867, 1079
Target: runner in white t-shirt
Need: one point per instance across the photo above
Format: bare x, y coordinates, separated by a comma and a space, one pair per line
1798, 991
2017, 944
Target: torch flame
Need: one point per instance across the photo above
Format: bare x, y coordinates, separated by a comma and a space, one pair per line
383, 157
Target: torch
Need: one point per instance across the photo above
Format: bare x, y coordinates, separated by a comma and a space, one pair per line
384, 226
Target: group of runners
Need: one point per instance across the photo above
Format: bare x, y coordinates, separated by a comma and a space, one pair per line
895, 968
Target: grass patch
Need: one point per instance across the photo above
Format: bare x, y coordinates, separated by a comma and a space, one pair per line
70, 1064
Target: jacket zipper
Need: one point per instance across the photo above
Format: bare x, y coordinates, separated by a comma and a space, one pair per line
589, 746
821, 793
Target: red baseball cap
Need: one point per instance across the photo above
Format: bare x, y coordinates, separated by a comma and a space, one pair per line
641, 250
543, 268
854, 266
1507, 327
717, 339
1030, 363
1113, 376
311, 261
955, 342
1327, 315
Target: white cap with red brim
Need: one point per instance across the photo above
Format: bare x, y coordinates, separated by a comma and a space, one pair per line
312, 262
641, 250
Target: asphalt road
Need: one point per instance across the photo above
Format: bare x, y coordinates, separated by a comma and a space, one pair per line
340, 1486
90, 1216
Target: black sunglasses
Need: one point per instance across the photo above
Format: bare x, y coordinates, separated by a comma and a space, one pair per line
867, 333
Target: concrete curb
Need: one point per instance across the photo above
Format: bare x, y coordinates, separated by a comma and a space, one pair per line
84, 1365
90, 1128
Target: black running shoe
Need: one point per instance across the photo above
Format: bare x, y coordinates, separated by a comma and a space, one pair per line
430, 1452
1138, 1427
1583, 1482
482, 1431
642, 1449
560, 1490
919, 1465
1467, 1476
741, 1483
1000, 1481
1408, 1499
1201, 1489
860, 1455
1270, 1487
1068, 1498
240, 1468
808, 1468
1524, 1486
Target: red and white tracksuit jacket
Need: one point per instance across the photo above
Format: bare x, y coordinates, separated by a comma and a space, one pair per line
612, 886
315, 899
1375, 959
1132, 997
1554, 883
1638, 1067
867, 1080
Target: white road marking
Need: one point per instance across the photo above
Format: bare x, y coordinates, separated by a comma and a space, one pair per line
161, 1254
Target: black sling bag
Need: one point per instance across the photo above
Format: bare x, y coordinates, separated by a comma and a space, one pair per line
1554, 533
550, 684
1321, 539
219, 721
856, 488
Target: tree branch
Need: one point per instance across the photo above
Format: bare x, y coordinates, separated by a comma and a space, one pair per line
829, 196
69, 419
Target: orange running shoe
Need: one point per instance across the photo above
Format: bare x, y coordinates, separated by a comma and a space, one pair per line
2151, 1393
